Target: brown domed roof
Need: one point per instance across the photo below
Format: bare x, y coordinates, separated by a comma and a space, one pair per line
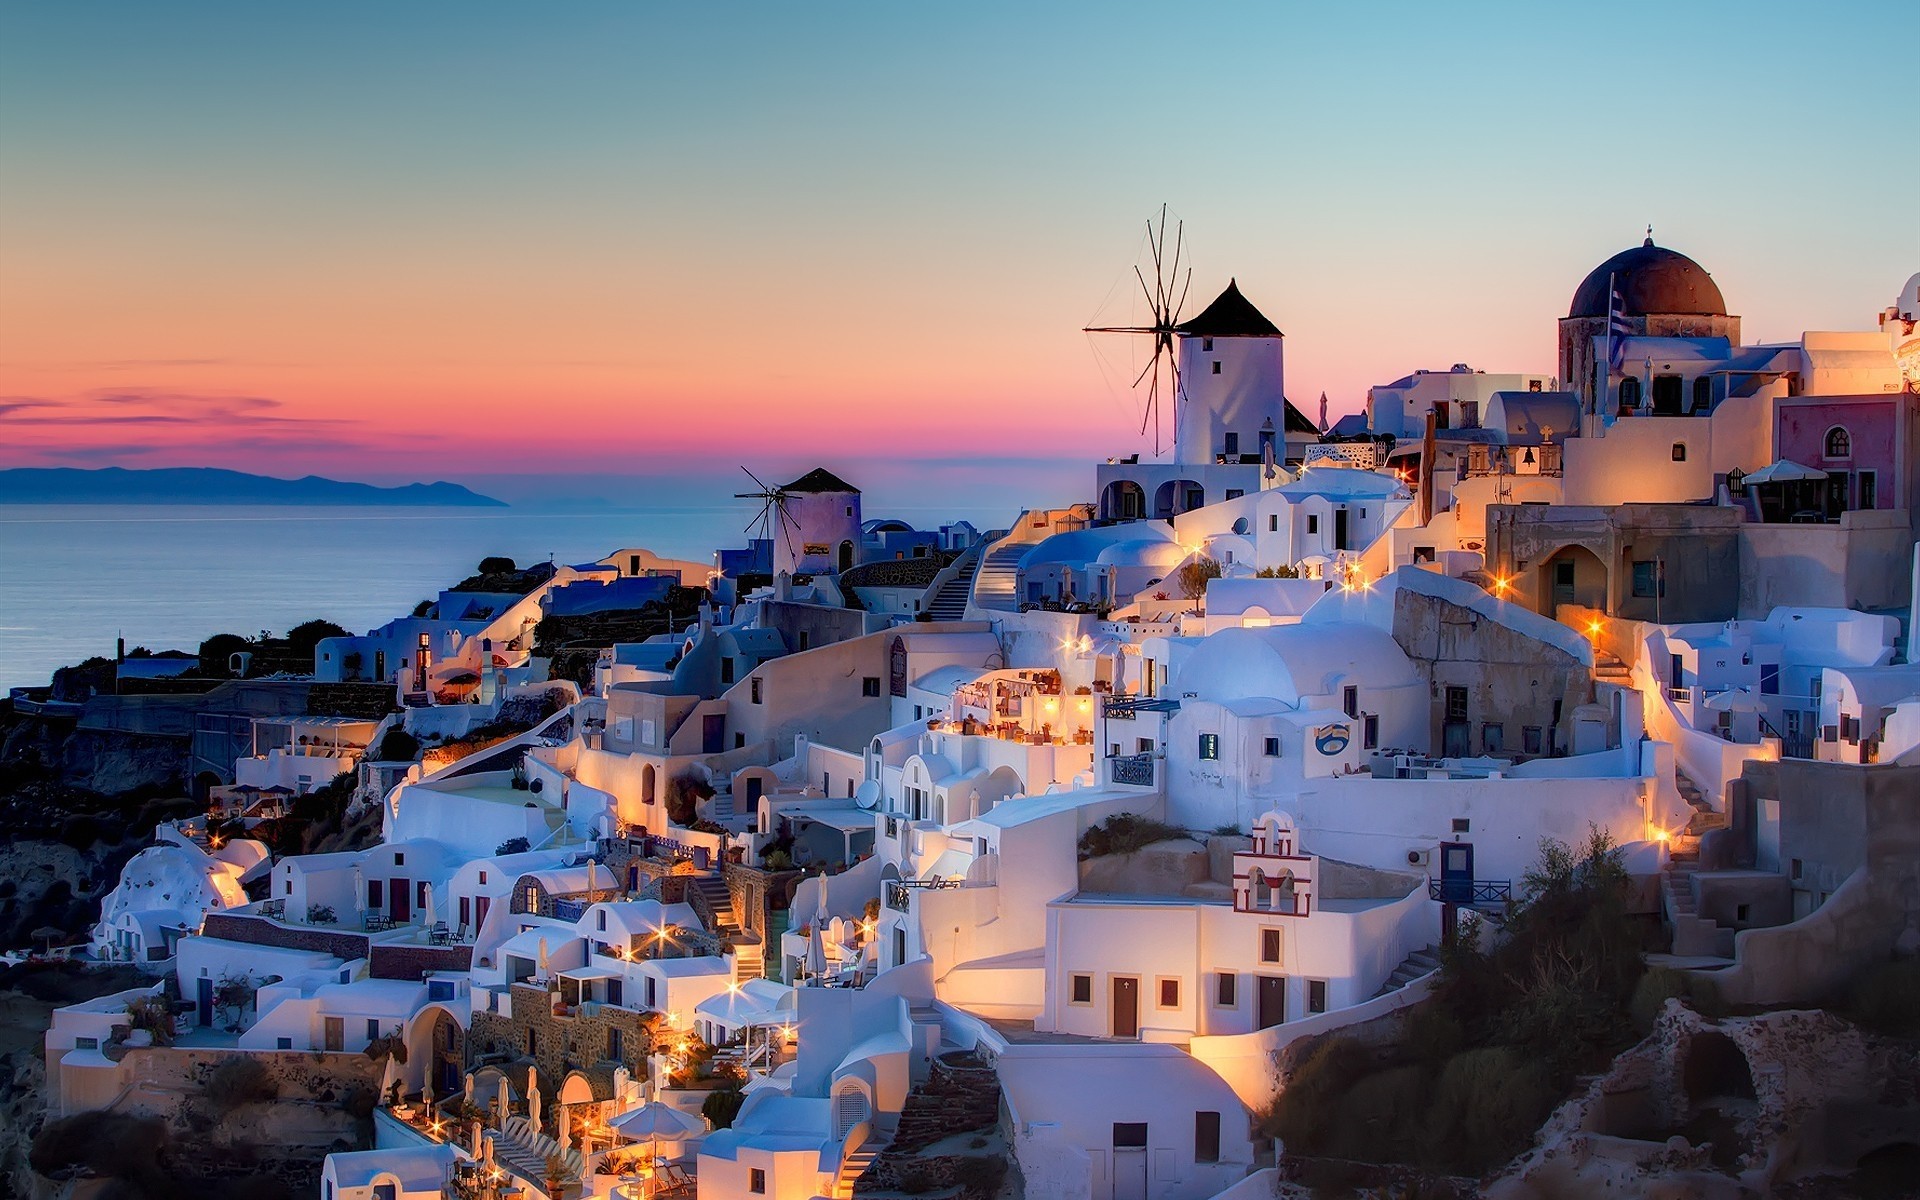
1651, 279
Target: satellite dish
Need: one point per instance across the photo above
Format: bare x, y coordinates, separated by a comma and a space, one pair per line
867, 795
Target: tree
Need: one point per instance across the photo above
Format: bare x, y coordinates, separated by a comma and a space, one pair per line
307, 635
217, 650
497, 564
398, 746
231, 995
1194, 575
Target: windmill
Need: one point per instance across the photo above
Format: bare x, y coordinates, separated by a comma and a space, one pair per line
773, 510
1165, 297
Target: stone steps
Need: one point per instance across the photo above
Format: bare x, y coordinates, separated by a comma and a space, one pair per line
950, 602
854, 1165
1421, 962
959, 1095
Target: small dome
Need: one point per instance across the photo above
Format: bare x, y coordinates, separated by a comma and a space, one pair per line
1651, 279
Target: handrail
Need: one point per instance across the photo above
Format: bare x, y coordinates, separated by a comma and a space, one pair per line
1470, 891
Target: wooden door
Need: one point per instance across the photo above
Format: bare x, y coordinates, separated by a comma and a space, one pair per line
1126, 1007
1272, 1001
400, 897
333, 1033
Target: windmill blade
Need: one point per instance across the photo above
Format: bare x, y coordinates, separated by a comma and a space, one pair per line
760, 519
787, 526
764, 489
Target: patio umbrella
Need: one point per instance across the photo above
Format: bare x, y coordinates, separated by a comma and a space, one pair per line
469, 1089
533, 1096
655, 1122
816, 965
427, 915
359, 886
1735, 700
1786, 471
46, 933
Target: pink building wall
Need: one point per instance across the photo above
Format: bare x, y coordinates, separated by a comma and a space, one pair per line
1872, 425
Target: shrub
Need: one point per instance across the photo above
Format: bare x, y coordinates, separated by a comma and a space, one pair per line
321, 914
518, 845
723, 1106
1280, 572
239, 1080
113, 1145
1305, 1108
1124, 834
1380, 1116
684, 793
1485, 1107
497, 564
398, 746
779, 860
153, 1014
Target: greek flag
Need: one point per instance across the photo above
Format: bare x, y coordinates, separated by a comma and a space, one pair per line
1619, 326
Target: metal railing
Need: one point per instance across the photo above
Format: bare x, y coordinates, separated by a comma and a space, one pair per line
1132, 769
1470, 891
899, 890
1125, 708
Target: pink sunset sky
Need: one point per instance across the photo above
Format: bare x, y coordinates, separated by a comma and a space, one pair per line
448, 242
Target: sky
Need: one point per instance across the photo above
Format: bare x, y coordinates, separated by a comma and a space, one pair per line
493, 242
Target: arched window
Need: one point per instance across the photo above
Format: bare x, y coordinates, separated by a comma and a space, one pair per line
1839, 442
1679, 452
1629, 394
1702, 394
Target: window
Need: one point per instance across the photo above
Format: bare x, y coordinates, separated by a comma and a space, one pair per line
1316, 995
1145, 746
1742, 913
1240, 526
1493, 737
1230, 442
755, 690
1226, 987
1648, 578
916, 712
1350, 700
1129, 1135
533, 1041
1206, 1137
1667, 391
1456, 704
1679, 452
1868, 489
870, 685
1797, 868
757, 1181
600, 918
1702, 394
1313, 523
1209, 745
1169, 993
616, 1045
1206, 344
376, 893
285, 1043
1629, 393
1273, 747
1370, 732
1269, 945
1839, 442
1530, 739
399, 858
806, 640
1216, 366
726, 670
1083, 989
373, 1029
483, 877
1273, 522
93, 1043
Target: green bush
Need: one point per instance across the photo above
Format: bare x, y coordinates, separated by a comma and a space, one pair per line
1379, 1117
1124, 834
1302, 1115
518, 845
239, 1080
723, 1106
1485, 1106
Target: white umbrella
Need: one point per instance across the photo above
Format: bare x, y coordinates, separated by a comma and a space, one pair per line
1735, 700
1785, 471
533, 1098
359, 886
469, 1088
427, 916
654, 1122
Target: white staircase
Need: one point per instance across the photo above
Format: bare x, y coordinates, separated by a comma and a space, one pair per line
854, 1165
1421, 962
949, 600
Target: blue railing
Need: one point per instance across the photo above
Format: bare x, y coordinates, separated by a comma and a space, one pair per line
1133, 769
1470, 891
569, 910
1125, 708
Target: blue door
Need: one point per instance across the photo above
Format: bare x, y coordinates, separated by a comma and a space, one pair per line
1456, 872
203, 999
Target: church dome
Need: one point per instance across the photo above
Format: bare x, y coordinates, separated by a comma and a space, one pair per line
1652, 280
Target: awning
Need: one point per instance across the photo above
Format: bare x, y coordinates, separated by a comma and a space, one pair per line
1785, 471
847, 820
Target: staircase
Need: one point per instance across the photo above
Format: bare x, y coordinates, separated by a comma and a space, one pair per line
1694, 936
1703, 817
949, 602
961, 1094
997, 578
1607, 668
1423, 961
854, 1165
524, 1150
710, 898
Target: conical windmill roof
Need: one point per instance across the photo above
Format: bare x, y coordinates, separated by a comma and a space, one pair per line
821, 480
1230, 315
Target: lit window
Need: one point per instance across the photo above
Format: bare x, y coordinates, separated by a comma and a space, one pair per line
1679, 452
1209, 745
1839, 442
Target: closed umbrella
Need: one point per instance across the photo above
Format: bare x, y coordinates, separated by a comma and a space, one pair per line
816, 965
543, 958
359, 887
533, 1096
427, 915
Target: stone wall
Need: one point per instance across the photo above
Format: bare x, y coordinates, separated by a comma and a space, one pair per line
561, 1044
413, 962
259, 931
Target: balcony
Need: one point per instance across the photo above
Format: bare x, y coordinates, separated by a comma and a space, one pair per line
1134, 770
1126, 708
900, 890
1470, 891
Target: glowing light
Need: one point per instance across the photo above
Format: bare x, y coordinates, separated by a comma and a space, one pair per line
1593, 629
1501, 583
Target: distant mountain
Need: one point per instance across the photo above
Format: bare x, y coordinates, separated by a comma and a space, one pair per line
209, 485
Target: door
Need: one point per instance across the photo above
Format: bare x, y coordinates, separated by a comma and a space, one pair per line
755, 787
1563, 582
480, 912
1129, 1160
1126, 1007
333, 1033
1272, 1001
614, 997
1340, 529
713, 733
203, 1000
398, 894
1456, 872
1839, 488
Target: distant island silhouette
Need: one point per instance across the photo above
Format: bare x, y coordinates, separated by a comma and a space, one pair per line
211, 485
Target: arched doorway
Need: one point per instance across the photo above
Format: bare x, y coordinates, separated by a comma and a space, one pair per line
1176, 496
1123, 500
647, 780
1572, 575
437, 1052
846, 556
